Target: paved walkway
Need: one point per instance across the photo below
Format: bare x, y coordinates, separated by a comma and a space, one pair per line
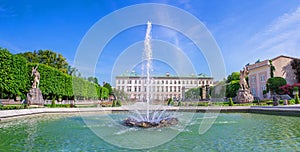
293, 110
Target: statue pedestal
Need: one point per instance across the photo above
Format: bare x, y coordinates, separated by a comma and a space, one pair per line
244, 96
35, 97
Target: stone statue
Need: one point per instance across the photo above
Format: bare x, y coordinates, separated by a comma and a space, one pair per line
244, 95
36, 75
243, 82
34, 96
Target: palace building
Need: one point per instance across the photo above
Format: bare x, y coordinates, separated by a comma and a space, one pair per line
259, 73
161, 87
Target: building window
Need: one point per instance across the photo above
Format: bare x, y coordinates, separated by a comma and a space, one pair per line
129, 82
253, 79
167, 82
253, 91
162, 81
175, 82
262, 78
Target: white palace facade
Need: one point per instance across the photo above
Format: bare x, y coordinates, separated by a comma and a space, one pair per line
161, 87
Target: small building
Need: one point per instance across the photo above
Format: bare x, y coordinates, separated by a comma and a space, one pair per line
161, 87
259, 73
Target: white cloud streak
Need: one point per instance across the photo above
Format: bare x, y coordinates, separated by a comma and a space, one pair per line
281, 37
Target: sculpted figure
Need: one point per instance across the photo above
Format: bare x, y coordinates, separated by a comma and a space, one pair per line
243, 82
36, 75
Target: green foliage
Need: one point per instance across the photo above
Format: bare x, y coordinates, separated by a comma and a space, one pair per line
232, 88
53, 105
114, 103
219, 90
233, 76
296, 67
295, 89
119, 103
265, 91
170, 102
194, 93
47, 57
230, 102
14, 79
120, 94
273, 84
104, 93
108, 86
232, 84
179, 103
272, 69
292, 101
297, 99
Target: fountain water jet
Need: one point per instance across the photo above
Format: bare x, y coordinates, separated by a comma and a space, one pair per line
162, 120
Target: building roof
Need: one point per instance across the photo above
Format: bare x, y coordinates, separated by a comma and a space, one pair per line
283, 56
133, 74
259, 63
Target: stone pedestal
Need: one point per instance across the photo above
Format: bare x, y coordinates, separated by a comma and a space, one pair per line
244, 96
203, 92
35, 97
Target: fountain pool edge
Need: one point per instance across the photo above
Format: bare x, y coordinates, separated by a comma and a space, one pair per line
293, 110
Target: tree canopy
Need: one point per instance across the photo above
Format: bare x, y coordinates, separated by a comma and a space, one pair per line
296, 67
16, 79
274, 84
232, 84
47, 57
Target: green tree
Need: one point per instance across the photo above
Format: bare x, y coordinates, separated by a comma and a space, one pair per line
233, 76
47, 57
272, 69
230, 102
14, 79
297, 99
232, 84
108, 86
194, 93
274, 84
232, 88
296, 67
104, 93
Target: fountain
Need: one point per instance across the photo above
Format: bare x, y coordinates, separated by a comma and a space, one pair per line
157, 118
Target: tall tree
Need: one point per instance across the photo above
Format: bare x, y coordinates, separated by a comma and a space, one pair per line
272, 69
47, 57
232, 84
296, 67
108, 86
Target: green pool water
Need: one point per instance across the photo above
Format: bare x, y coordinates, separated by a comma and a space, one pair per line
103, 132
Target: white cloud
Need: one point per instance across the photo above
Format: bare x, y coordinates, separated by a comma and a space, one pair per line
282, 36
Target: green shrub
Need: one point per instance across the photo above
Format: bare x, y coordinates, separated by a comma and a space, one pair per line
291, 101
230, 103
114, 103
119, 103
297, 99
53, 105
170, 102
179, 103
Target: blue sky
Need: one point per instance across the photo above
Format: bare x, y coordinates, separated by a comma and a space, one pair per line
244, 30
